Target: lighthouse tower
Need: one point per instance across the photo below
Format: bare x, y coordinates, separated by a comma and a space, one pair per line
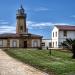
21, 21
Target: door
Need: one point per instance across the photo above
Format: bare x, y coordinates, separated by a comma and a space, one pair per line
25, 44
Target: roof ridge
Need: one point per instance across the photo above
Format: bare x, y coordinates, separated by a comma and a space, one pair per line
63, 27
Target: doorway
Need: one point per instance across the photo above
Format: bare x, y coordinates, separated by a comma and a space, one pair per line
25, 44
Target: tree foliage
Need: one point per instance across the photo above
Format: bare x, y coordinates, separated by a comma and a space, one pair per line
69, 44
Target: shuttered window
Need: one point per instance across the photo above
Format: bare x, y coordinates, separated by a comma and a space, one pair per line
1, 43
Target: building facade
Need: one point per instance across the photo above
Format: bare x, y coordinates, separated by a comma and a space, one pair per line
60, 33
46, 43
21, 38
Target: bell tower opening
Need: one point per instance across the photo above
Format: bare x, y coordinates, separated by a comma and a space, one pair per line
21, 20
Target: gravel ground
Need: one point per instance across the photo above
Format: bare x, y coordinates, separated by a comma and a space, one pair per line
10, 66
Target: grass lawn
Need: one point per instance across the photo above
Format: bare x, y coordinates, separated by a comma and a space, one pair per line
60, 63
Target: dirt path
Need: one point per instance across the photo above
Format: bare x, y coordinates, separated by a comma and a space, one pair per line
10, 66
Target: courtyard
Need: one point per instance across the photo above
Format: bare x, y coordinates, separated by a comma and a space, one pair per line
58, 63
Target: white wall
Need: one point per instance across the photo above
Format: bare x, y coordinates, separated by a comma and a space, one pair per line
55, 38
70, 34
4, 43
60, 37
46, 41
35, 42
11, 42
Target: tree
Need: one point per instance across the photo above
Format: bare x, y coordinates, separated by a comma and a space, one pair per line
69, 44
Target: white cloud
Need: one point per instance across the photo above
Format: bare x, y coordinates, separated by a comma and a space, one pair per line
3, 22
30, 25
61, 24
42, 25
7, 29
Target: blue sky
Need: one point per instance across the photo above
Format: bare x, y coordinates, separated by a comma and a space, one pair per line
42, 15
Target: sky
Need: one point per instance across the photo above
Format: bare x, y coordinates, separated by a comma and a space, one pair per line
42, 15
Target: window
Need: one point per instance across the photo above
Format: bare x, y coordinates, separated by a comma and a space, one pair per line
53, 34
56, 34
35, 43
21, 28
1, 43
49, 44
59, 44
14, 43
65, 33
43, 44
56, 43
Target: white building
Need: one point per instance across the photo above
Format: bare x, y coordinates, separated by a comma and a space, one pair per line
46, 43
60, 33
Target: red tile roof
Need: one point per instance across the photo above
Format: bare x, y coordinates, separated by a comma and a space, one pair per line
65, 27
